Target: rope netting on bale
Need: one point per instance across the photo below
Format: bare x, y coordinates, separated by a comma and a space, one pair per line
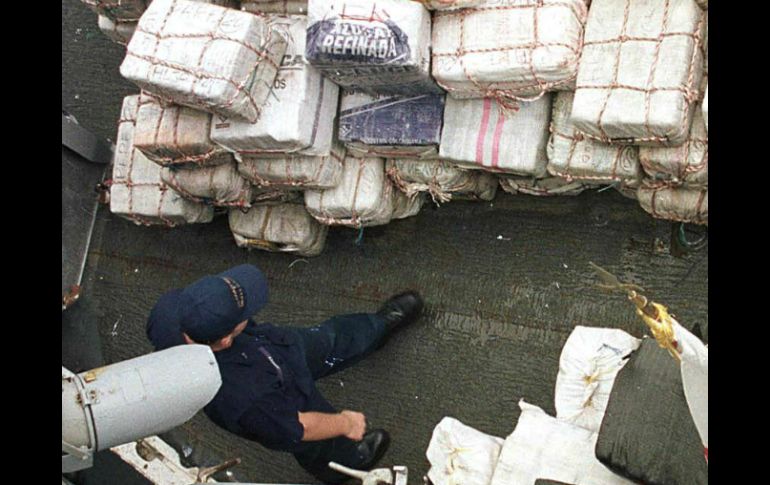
200, 55
664, 200
655, 59
282, 228
295, 172
220, 186
174, 135
572, 156
507, 49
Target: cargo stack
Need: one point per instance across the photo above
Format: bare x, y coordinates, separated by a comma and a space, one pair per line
361, 109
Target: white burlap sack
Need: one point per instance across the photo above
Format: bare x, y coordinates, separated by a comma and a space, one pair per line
572, 156
363, 198
542, 187
295, 172
137, 191
286, 228
391, 126
378, 46
479, 134
118, 30
283, 7
174, 135
589, 362
508, 49
681, 204
118, 10
204, 56
640, 71
221, 185
543, 447
706, 109
405, 206
687, 164
442, 180
298, 116
461, 455
695, 379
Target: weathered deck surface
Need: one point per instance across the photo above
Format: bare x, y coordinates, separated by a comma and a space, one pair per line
505, 282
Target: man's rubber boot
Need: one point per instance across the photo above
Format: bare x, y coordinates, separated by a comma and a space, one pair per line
373, 448
399, 311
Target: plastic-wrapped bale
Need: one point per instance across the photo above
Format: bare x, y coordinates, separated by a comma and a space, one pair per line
205, 56
459, 454
479, 133
364, 196
589, 362
543, 447
283, 7
706, 109
572, 156
295, 172
442, 180
298, 116
508, 49
137, 191
378, 46
220, 186
640, 71
651, 443
286, 228
687, 164
391, 126
118, 30
174, 135
118, 10
683, 204
547, 186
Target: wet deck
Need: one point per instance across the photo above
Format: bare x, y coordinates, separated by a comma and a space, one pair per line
505, 282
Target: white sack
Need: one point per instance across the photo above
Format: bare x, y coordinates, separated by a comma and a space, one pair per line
513, 49
118, 30
137, 192
405, 206
442, 180
572, 156
174, 135
589, 362
220, 186
282, 7
378, 46
687, 164
695, 379
204, 56
295, 172
542, 187
479, 134
547, 448
681, 204
461, 455
286, 228
298, 116
363, 198
643, 93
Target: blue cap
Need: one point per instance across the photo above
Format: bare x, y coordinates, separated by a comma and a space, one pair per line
213, 306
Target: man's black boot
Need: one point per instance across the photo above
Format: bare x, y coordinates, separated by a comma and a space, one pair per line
399, 311
373, 448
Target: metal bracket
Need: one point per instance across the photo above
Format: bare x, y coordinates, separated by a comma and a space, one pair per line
83, 142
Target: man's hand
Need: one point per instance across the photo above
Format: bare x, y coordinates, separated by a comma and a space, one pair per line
322, 426
357, 425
